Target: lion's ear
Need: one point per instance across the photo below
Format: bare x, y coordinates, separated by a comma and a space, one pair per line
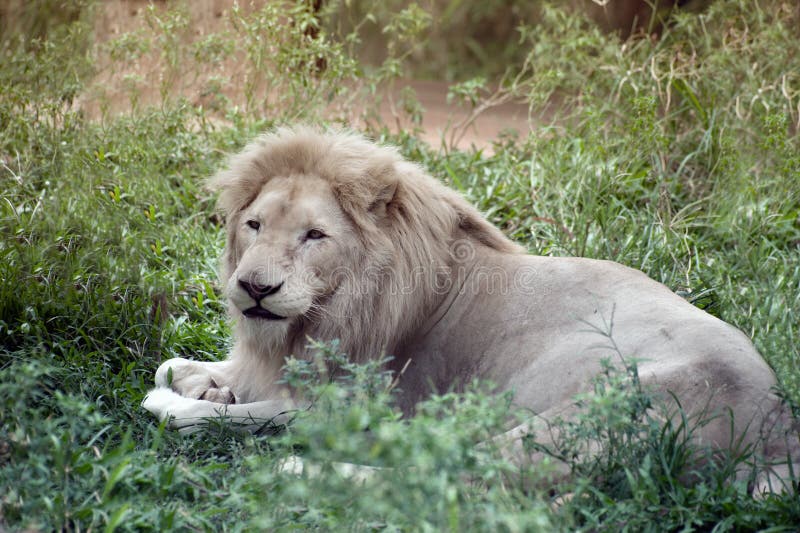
382, 200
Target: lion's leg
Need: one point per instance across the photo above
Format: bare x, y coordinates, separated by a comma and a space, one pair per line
540, 459
777, 446
198, 380
779, 466
188, 414
297, 466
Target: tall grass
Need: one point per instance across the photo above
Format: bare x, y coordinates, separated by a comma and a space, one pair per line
678, 156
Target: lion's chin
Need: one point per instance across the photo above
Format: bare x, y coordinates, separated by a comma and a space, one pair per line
259, 312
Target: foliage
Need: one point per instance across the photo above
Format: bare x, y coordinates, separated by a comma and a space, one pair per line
676, 156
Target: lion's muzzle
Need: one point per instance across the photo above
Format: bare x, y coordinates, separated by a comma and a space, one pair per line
258, 292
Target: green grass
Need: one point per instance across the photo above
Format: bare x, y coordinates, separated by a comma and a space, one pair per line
679, 157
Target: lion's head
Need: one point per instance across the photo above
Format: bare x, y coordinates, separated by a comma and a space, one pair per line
332, 236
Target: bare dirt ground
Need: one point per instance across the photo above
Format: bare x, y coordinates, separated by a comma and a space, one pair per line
138, 82
454, 126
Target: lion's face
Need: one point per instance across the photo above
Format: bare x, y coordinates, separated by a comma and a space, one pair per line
331, 236
287, 246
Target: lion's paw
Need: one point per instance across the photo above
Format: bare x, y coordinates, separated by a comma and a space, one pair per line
181, 413
219, 394
175, 370
192, 380
164, 403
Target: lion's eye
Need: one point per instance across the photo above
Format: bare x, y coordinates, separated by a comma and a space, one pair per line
255, 224
314, 234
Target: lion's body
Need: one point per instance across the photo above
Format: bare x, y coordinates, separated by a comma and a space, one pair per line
333, 237
595, 310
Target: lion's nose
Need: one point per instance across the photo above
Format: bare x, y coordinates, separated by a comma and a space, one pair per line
256, 291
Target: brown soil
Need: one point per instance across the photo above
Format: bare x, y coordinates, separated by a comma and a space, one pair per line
452, 126
443, 124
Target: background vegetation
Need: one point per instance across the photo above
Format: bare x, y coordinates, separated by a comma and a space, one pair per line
677, 155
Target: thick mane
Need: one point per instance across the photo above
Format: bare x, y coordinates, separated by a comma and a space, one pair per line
412, 229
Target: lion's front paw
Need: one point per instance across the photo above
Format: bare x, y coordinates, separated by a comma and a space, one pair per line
181, 413
192, 380
165, 403
218, 394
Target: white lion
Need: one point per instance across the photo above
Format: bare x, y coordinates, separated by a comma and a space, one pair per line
333, 237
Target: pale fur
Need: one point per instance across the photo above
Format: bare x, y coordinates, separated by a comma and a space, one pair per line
435, 285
